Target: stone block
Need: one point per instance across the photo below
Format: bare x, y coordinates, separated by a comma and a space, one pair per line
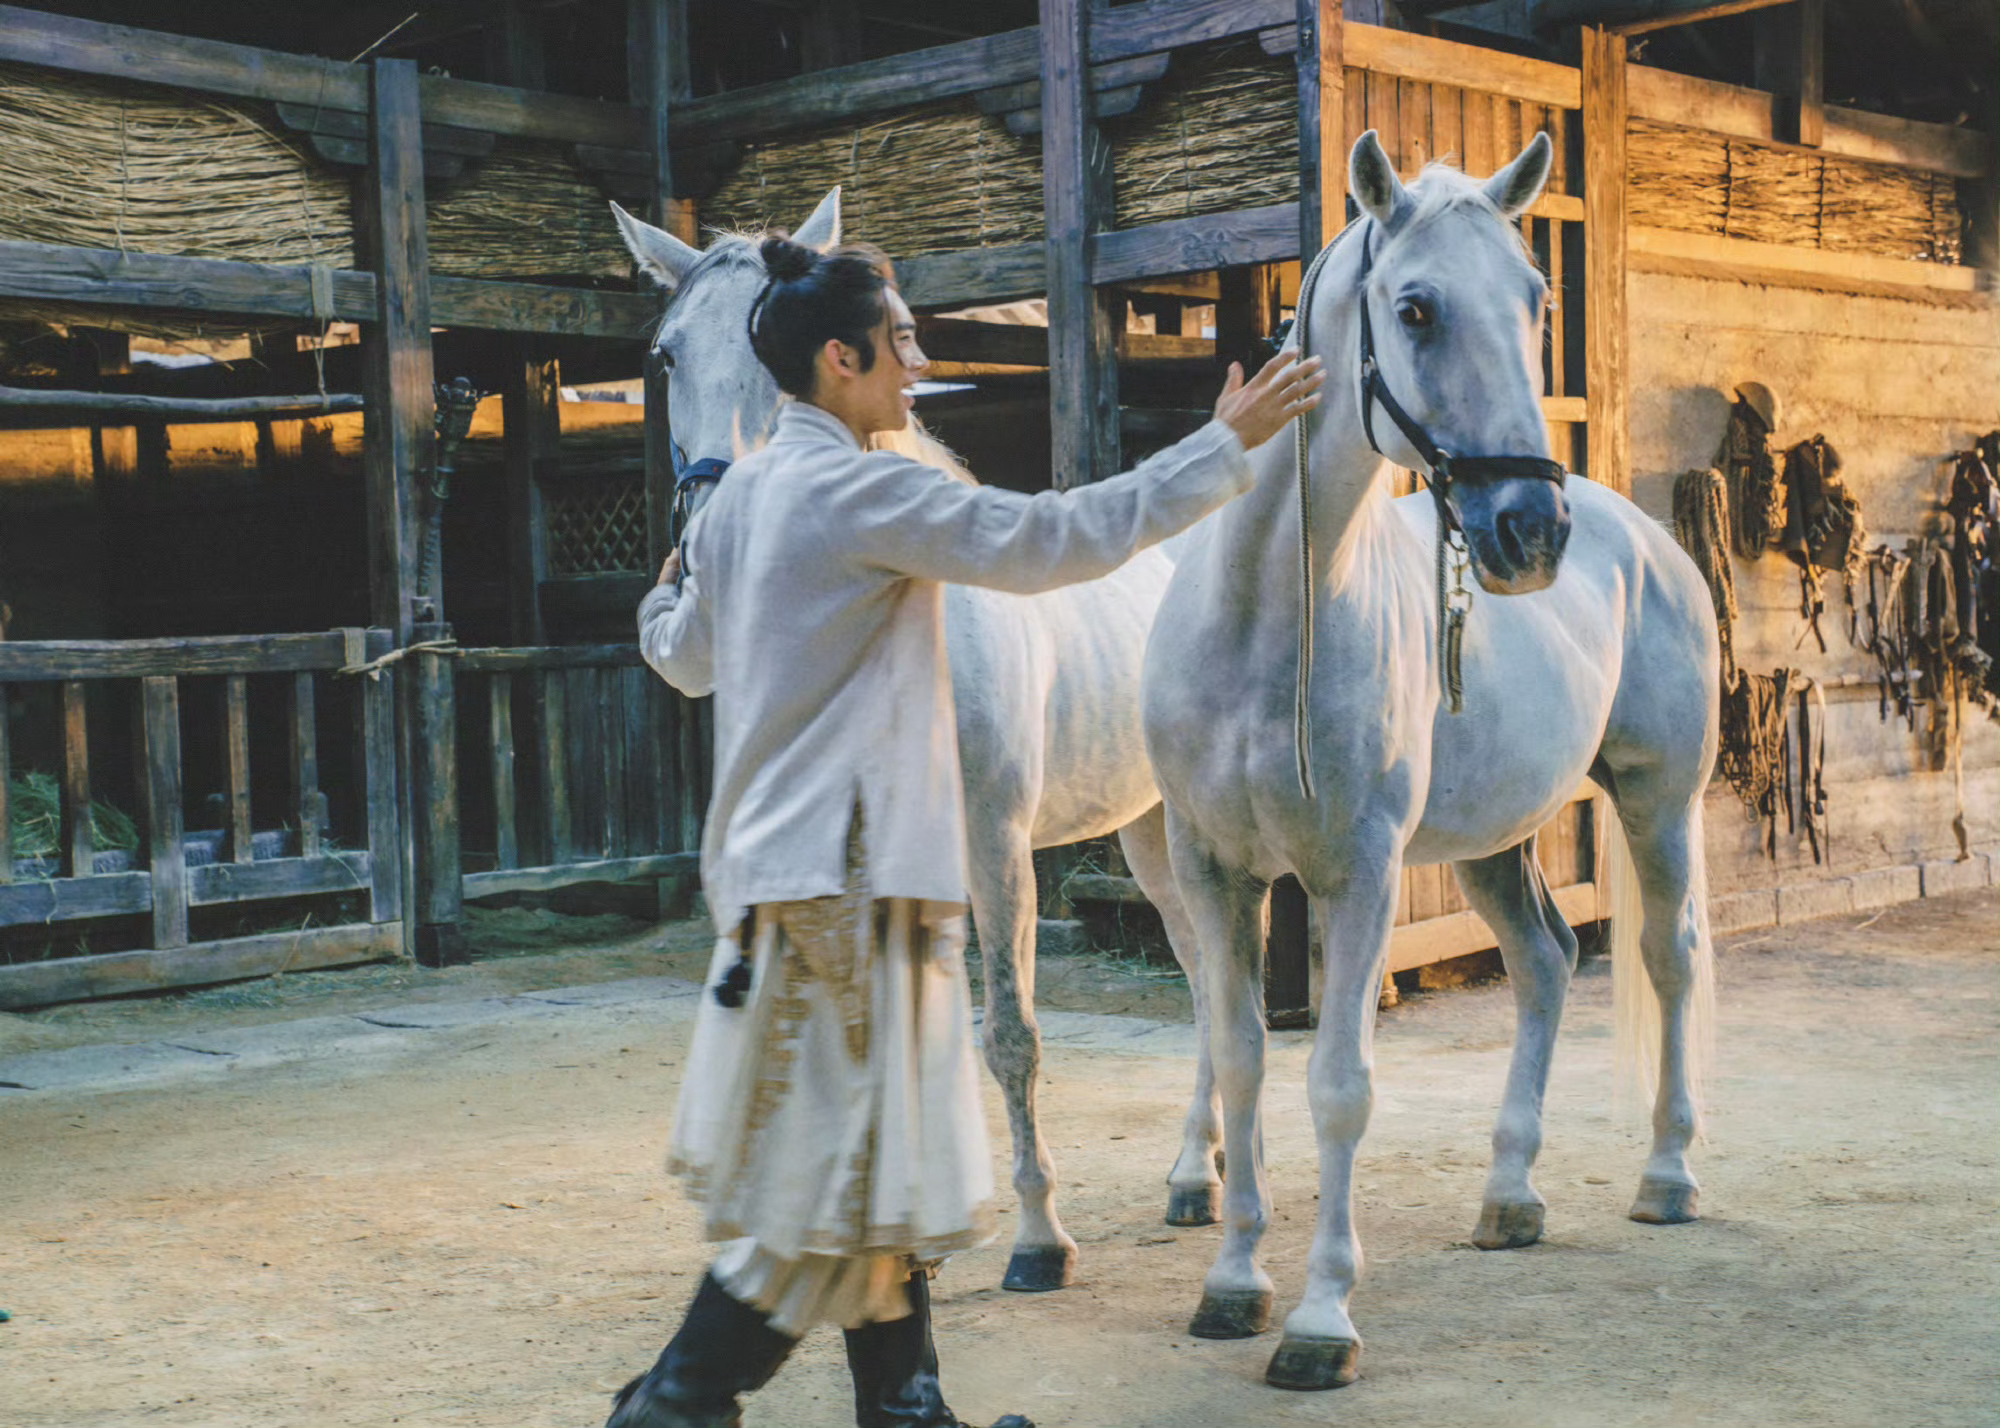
1884, 887
78, 1067
436, 1016
1060, 937
604, 994
1944, 875
1823, 897
1743, 911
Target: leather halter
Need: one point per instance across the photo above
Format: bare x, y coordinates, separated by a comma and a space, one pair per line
688, 482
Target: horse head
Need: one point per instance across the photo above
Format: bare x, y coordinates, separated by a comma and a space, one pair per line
1451, 340
724, 401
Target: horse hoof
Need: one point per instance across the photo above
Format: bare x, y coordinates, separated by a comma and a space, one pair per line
1232, 1314
1038, 1270
1194, 1204
1509, 1226
1666, 1202
1311, 1365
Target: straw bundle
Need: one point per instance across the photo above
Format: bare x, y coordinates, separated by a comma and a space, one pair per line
923, 180
1698, 182
98, 165
526, 211
1221, 133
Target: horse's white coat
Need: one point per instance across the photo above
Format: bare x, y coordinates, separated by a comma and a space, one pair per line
1609, 671
1048, 698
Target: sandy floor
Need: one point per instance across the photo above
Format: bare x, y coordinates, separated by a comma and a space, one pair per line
477, 1233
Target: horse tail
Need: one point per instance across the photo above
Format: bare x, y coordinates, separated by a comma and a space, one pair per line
1635, 1005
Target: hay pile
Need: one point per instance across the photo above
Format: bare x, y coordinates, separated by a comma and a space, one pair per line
1699, 182
1218, 134
526, 211
101, 165
929, 179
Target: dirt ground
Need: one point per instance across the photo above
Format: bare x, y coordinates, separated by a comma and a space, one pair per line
476, 1232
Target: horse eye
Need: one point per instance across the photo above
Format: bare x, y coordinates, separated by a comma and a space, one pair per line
1413, 313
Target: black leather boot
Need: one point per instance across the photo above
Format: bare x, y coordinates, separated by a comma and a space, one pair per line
895, 1368
724, 1347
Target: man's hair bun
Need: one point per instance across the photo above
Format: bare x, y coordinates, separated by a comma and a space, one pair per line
785, 260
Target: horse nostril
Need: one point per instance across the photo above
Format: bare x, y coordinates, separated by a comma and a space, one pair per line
1510, 530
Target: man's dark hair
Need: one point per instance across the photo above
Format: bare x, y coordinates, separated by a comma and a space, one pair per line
811, 299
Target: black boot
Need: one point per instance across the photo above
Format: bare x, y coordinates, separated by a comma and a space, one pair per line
895, 1368
724, 1347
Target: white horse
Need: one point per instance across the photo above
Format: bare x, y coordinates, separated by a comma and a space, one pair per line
1049, 732
1607, 669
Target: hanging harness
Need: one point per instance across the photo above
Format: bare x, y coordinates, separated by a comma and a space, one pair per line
1454, 598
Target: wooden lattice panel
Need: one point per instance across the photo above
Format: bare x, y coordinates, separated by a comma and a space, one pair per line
595, 527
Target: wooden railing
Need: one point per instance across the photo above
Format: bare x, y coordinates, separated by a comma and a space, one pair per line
175, 870
593, 769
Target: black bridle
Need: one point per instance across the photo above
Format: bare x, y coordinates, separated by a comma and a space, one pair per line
689, 481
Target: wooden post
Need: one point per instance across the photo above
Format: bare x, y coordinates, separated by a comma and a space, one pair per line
79, 846
379, 761
500, 731
311, 803
166, 857
236, 759
401, 412
531, 428
1789, 59
440, 876
1322, 125
1609, 438
1083, 323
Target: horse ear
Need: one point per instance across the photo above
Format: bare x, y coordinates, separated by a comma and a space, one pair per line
1371, 178
659, 254
1520, 183
822, 230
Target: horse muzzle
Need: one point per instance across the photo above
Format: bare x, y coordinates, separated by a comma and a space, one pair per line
1515, 531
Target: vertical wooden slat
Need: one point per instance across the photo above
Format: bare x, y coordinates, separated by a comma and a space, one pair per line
1604, 116
1403, 898
1507, 130
586, 763
1561, 125
1413, 102
166, 853
611, 734
438, 904
1322, 85
642, 774
78, 846
1447, 124
555, 767
379, 762
236, 759
1557, 338
6, 792
310, 803
1384, 114
500, 724
1476, 114
1426, 893
1454, 895
691, 771
1083, 323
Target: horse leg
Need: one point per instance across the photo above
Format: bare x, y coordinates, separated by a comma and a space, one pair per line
1509, 891
1001, 871
1194, 1187
1225, 906
1321, 1348
1663, 829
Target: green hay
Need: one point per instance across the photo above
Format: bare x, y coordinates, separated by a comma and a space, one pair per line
35, 803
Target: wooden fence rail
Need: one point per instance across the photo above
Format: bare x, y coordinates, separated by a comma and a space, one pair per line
175, 870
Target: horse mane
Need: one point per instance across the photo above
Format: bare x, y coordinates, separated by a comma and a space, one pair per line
1441, 188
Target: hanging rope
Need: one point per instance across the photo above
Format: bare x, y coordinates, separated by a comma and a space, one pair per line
1701, 524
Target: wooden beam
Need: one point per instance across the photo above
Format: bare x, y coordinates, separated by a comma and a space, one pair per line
21, 407
55, 272
25, 660
1187, 245
658, 94
1668, 98
1083, 323
400, 431
71, 979
966, 67
1406, 54
1654, 15
1790, 60
1707, 255
1606, 372
242, 71
563, 875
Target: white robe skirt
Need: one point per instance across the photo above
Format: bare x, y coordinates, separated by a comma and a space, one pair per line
832, 1124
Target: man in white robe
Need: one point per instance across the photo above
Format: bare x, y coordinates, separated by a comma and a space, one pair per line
829, 1122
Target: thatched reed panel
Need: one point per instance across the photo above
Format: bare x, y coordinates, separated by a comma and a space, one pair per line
1219, 133
1700, 182
930, 179
525, 211
99, 165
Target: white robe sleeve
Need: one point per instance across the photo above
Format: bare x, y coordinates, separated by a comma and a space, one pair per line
676, 636
913, 520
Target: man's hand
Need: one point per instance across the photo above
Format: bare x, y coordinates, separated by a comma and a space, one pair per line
671, 570
1257, 410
